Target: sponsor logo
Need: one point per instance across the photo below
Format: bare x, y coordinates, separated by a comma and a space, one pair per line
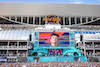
51, 19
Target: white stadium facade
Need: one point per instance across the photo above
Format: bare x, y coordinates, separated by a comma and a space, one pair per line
19, 20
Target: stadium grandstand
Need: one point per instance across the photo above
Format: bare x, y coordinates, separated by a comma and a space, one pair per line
26, 28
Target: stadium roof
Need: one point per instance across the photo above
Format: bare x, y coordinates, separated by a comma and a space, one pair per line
15, 35
42, 9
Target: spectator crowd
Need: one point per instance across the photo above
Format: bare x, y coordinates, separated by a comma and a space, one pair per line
52, 64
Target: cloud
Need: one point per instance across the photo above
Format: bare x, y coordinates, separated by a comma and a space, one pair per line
77, 2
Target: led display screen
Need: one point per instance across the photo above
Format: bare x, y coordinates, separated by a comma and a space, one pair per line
44, 38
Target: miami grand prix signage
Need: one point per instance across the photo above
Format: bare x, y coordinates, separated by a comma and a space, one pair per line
51, 19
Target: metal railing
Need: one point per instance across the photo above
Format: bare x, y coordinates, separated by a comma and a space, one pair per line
88, 46
2, 47
13, 55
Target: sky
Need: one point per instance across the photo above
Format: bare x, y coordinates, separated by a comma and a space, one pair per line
55, 1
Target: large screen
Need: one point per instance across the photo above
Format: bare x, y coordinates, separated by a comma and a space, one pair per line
55, 52
44, 38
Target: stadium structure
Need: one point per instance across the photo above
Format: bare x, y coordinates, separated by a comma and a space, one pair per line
25, 29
